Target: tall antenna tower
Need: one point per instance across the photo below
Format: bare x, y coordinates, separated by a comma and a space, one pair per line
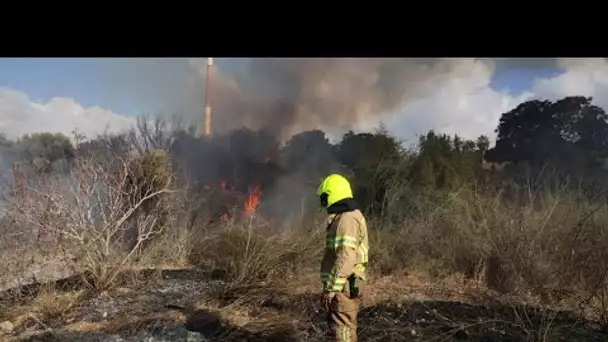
207, 122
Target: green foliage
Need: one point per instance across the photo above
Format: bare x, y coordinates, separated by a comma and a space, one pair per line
309, 149
48, 146
568, 132
447, 162
374, 160
562, 141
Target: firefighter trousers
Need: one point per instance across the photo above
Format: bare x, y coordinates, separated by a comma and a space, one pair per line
342, 315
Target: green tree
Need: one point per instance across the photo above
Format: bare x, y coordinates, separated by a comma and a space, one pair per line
569, 133
44, 150
483, 144
447, 162
374, 160
49, 146
310, 151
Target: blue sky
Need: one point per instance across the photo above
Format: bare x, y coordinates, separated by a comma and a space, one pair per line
44, 78
90, 82
95, 82
515, 81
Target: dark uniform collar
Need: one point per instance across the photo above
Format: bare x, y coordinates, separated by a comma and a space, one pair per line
342, 206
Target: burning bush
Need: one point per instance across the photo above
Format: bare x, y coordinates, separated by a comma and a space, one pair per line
244, 166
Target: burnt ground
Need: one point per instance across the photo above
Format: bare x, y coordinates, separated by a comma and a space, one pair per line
186, 305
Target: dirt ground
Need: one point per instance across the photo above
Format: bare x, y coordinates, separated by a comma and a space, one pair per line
189, 305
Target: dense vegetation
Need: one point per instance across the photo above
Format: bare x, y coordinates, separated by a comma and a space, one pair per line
539, 143
526, 216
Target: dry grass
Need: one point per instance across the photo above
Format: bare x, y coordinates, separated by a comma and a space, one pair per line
51, 304
46, 307
285, 310
547, 249
245, 255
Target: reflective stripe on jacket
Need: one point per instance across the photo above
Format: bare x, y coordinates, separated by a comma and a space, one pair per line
346, 249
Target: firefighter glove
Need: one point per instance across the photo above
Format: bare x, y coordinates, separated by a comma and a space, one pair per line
326, 299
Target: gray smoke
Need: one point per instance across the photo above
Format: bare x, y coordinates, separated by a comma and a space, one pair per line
288, 95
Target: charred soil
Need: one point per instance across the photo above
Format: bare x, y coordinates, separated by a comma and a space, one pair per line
193, 305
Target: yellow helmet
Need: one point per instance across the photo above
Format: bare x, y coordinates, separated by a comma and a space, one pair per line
334, 188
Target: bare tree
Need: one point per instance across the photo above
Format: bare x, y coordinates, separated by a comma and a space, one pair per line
92, 211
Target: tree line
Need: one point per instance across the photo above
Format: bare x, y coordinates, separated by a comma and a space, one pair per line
540, 142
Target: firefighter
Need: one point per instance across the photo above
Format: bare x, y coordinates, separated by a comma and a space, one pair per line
345, 258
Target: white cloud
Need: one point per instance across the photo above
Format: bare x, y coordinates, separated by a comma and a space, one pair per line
20, 115
587, 77
464, 103
461, 102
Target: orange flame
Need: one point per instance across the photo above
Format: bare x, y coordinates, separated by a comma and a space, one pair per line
253, 200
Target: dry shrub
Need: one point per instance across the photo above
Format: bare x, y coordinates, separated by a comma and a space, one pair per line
47, 304
246, 255
549, 245
169, 249
27, 254
552, 244
101, 214
52, 304
388, 251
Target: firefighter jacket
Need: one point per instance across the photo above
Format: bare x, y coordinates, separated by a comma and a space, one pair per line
346, 249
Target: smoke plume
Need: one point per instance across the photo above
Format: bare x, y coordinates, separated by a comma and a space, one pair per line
288, 96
